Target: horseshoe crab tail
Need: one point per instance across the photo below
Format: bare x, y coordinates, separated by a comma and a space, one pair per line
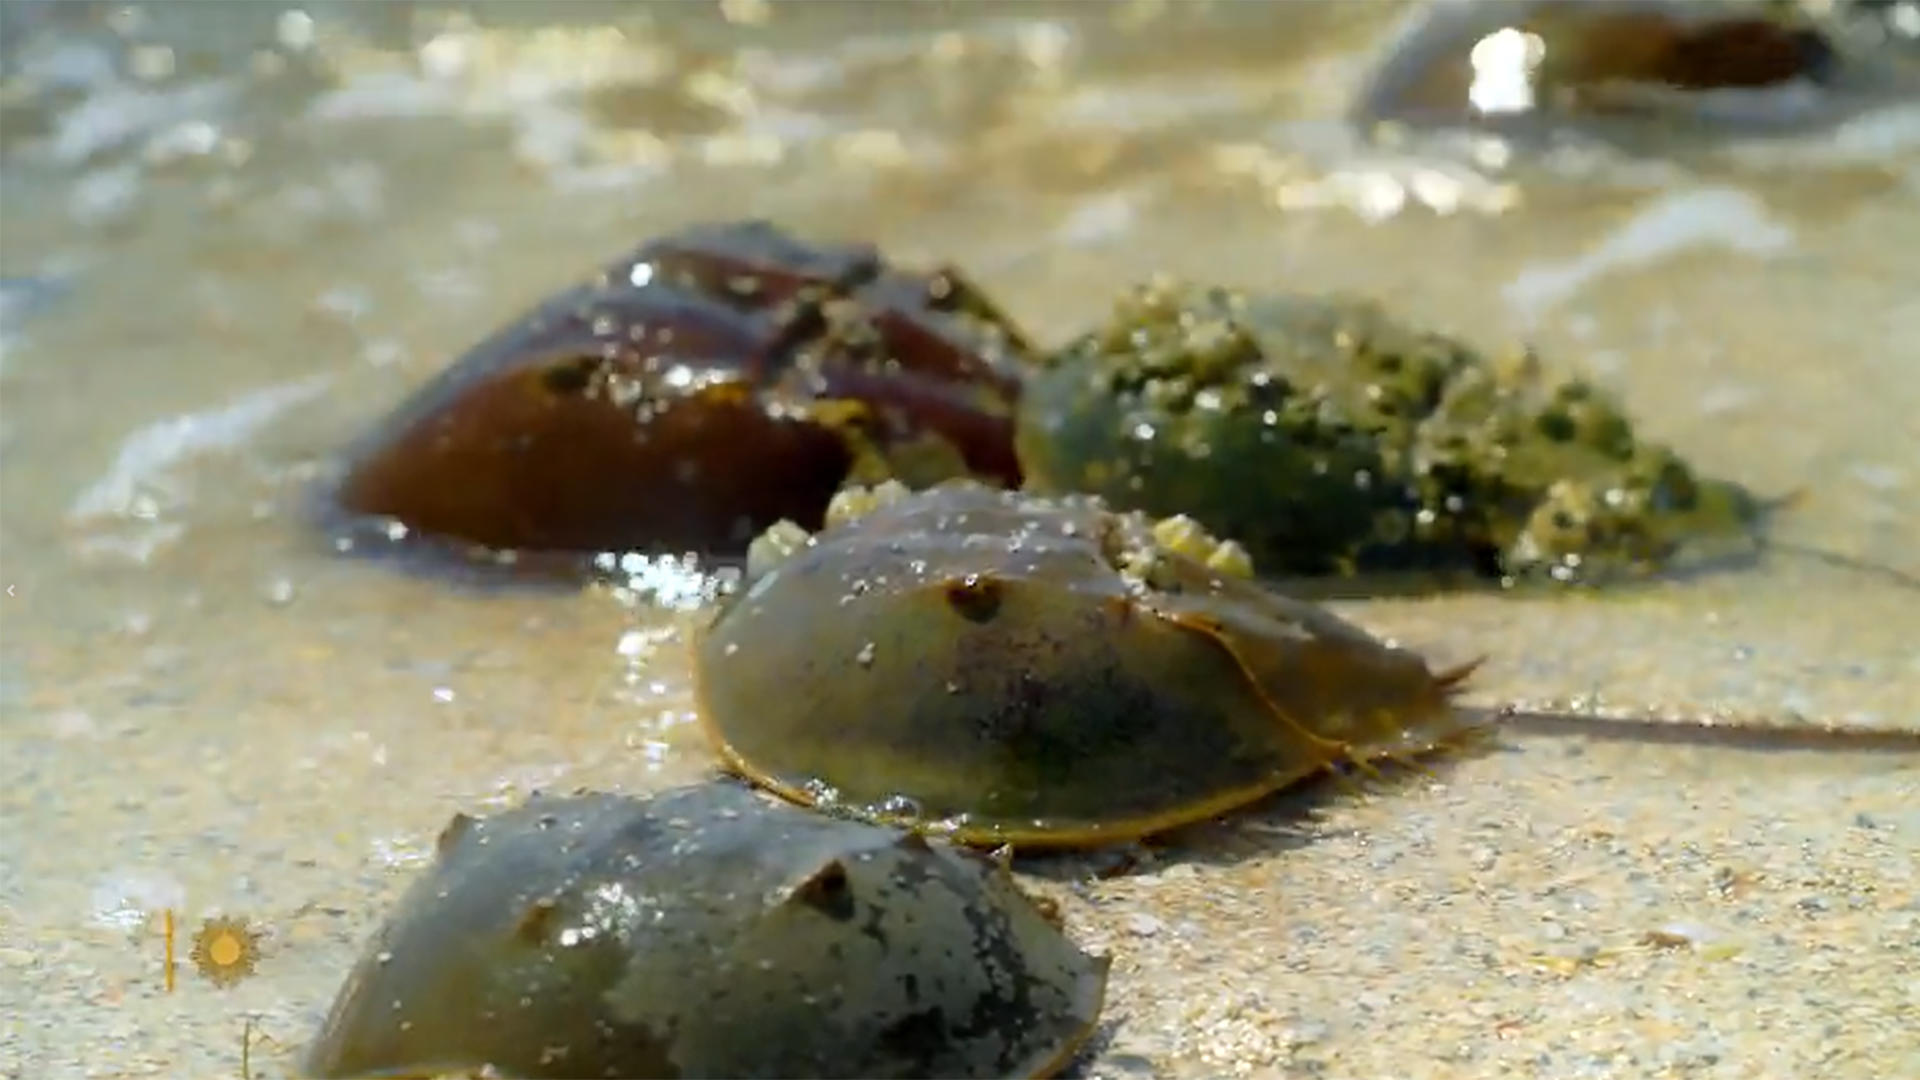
1452, 680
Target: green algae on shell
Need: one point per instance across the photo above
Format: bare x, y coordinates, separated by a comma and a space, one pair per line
1276, 425
1330, 438
709, 931
1553, 479
1006, 668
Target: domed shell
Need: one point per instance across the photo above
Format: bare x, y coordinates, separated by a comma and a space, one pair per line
1330, 438
709, 931
706, 384
1012, 669
1658, 74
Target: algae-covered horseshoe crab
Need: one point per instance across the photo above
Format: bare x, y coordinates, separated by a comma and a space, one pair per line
1328, 437
709, 931
1005, 668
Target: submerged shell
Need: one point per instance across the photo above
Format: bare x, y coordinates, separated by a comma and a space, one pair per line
709, 931
1331, 438
1008, 668
1638, 69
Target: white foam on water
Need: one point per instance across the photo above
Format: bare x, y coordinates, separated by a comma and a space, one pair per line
125, 897
148, 456
1703, 218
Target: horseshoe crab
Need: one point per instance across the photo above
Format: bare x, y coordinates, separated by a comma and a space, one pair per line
1005, 668
1330, 438
693, 392
709, 931
1637, 68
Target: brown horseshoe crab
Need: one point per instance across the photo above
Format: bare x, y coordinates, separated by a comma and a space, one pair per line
693, 392
1634, 70
709, 931
1004, 668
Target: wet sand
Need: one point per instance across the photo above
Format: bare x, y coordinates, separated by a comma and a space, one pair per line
205, 708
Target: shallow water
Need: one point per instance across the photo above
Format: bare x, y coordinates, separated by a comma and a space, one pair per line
228, 247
